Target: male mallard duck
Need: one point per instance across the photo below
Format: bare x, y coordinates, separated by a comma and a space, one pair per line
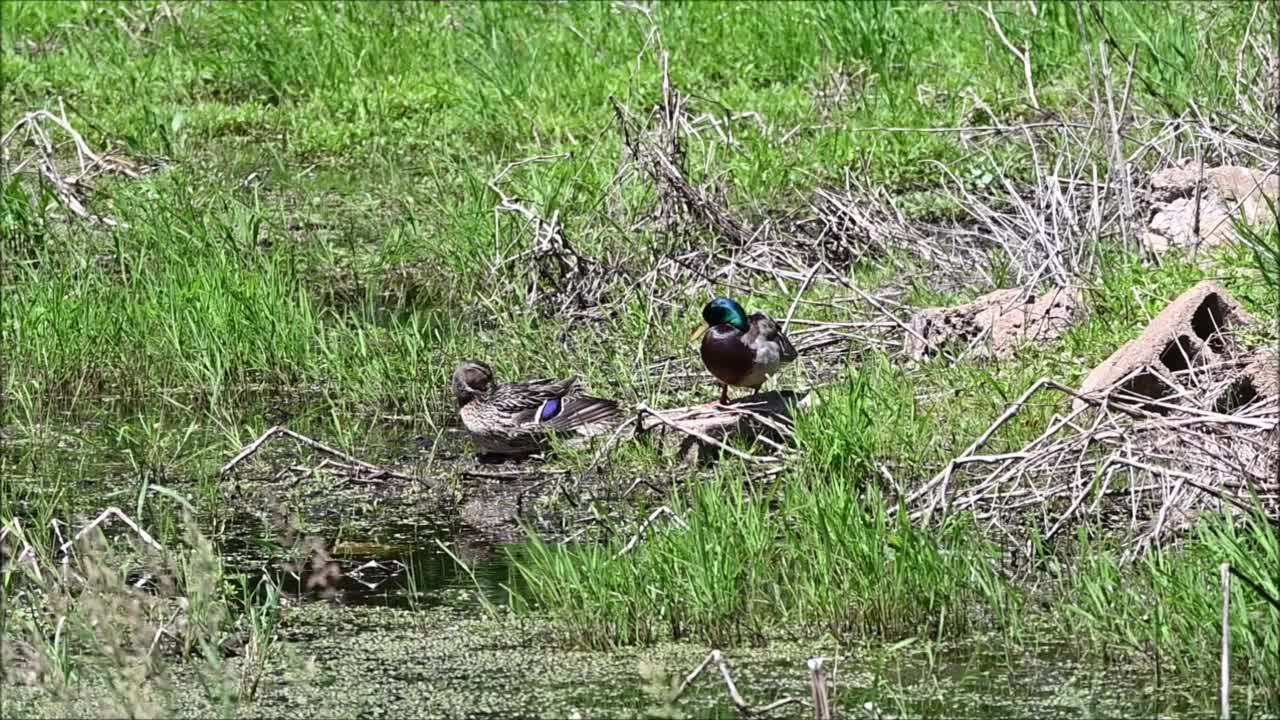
741, 350
518, 418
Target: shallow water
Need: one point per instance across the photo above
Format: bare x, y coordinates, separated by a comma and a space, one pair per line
406, 618
401, 630
403, 569
342, 661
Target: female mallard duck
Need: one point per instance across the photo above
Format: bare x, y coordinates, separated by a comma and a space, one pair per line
519, 418
741, 350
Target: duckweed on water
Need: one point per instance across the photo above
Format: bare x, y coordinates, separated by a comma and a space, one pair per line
320, 242
447, 664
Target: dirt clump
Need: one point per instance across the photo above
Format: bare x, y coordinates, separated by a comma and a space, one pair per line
994, 325
1193, 331
1195, 208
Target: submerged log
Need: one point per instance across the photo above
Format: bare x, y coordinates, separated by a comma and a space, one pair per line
704, 430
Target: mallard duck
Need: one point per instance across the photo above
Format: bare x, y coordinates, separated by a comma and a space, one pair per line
519, 418
740, 349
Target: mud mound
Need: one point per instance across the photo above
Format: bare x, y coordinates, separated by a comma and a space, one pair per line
994, 325
1194, 331
1195, 209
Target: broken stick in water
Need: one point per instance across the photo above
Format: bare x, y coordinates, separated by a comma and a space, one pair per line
818, 685
739, 703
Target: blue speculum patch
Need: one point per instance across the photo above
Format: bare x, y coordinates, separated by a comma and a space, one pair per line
550, 409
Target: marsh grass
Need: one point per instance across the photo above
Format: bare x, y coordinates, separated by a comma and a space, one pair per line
122, 617
261, 615
321, 234
1167, 607
825, 556
481, 597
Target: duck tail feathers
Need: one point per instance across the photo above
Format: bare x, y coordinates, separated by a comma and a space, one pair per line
788, 353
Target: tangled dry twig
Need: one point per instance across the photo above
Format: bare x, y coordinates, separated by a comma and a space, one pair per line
45, 160
1152, 465
557, 273
658, 150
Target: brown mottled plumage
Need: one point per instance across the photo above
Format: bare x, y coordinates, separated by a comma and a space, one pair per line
520, 418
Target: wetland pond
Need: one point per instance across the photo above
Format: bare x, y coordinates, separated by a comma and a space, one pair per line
404, 634
410, 639
404, 630
420, 644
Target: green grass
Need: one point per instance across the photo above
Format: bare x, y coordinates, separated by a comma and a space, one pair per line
1168, 606
362, 260
320, 241
826, 556
83, 622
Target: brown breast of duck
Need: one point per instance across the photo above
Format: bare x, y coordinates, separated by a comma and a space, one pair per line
728, 358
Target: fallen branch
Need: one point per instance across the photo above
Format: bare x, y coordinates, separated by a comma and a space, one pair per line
354, 466
249, 450
635, 539
70, 188
1197, 458
1024, 55
109, 512
791, 311
945, 475
739, 703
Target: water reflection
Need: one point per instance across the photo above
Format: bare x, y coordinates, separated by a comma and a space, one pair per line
392, 572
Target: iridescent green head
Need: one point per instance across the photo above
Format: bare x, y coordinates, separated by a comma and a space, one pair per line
724, 311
